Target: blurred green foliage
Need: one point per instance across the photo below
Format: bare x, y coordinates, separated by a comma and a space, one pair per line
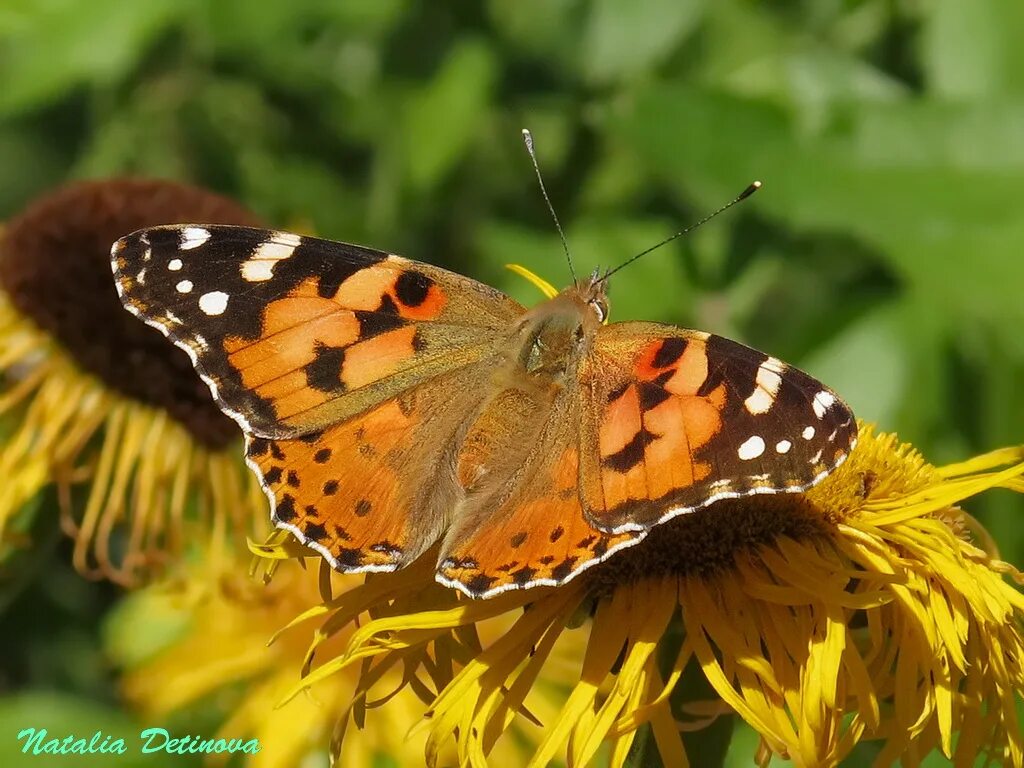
884, 253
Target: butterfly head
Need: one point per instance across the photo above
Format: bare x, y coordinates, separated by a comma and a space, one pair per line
594, 294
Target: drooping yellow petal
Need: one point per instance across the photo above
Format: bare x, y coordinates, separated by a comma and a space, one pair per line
543, 285
148, 479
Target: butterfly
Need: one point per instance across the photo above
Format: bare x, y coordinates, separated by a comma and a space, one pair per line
393, 408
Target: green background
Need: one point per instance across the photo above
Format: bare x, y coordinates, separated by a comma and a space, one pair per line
885, 253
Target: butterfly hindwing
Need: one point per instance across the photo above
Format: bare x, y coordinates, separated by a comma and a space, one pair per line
537, 537
295, 333
369, 493
521, 523
678, 419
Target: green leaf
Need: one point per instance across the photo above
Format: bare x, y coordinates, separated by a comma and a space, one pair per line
615, 181
874, 389
31, 165
64, 43
547, 29
29, 535
296, 192
972, 50
743, 746
143, 137
918, 182
443, 118
814, 78
623, 39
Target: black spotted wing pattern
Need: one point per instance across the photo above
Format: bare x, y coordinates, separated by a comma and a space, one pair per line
681, 419
295, 333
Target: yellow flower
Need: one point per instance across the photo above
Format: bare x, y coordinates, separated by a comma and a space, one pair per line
871, 608
218, 653
213, 629
89, 394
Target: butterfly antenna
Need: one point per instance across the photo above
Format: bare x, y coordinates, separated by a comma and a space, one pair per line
528, 140
751, 189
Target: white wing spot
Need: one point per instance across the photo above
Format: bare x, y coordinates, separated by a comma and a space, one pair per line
768, 382
214, 302
257, 271
193, 237
260, 266
822, 402
141, 277
783, 446
759, 402
808, 433
174, 265
184, 286
816, 458
751, 449
288, 238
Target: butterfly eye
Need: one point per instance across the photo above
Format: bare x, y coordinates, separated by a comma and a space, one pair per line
600, 308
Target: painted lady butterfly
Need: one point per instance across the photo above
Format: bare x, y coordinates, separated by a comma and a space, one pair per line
390, 405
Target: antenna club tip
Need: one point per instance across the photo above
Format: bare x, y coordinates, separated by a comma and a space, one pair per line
754, 186
528, 140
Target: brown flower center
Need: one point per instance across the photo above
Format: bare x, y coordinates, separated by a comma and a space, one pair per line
705, 542
55, 266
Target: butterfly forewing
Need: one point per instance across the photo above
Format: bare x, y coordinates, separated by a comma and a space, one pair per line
678, 419
296, 333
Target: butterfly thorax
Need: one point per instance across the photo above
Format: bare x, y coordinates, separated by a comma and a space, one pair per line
550, 339
543, 356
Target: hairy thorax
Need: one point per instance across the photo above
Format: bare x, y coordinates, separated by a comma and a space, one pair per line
532, 379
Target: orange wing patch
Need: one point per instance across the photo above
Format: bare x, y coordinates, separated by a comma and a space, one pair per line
406, 292
653, 423
377, 357
533, 541
314, 346
333, 491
